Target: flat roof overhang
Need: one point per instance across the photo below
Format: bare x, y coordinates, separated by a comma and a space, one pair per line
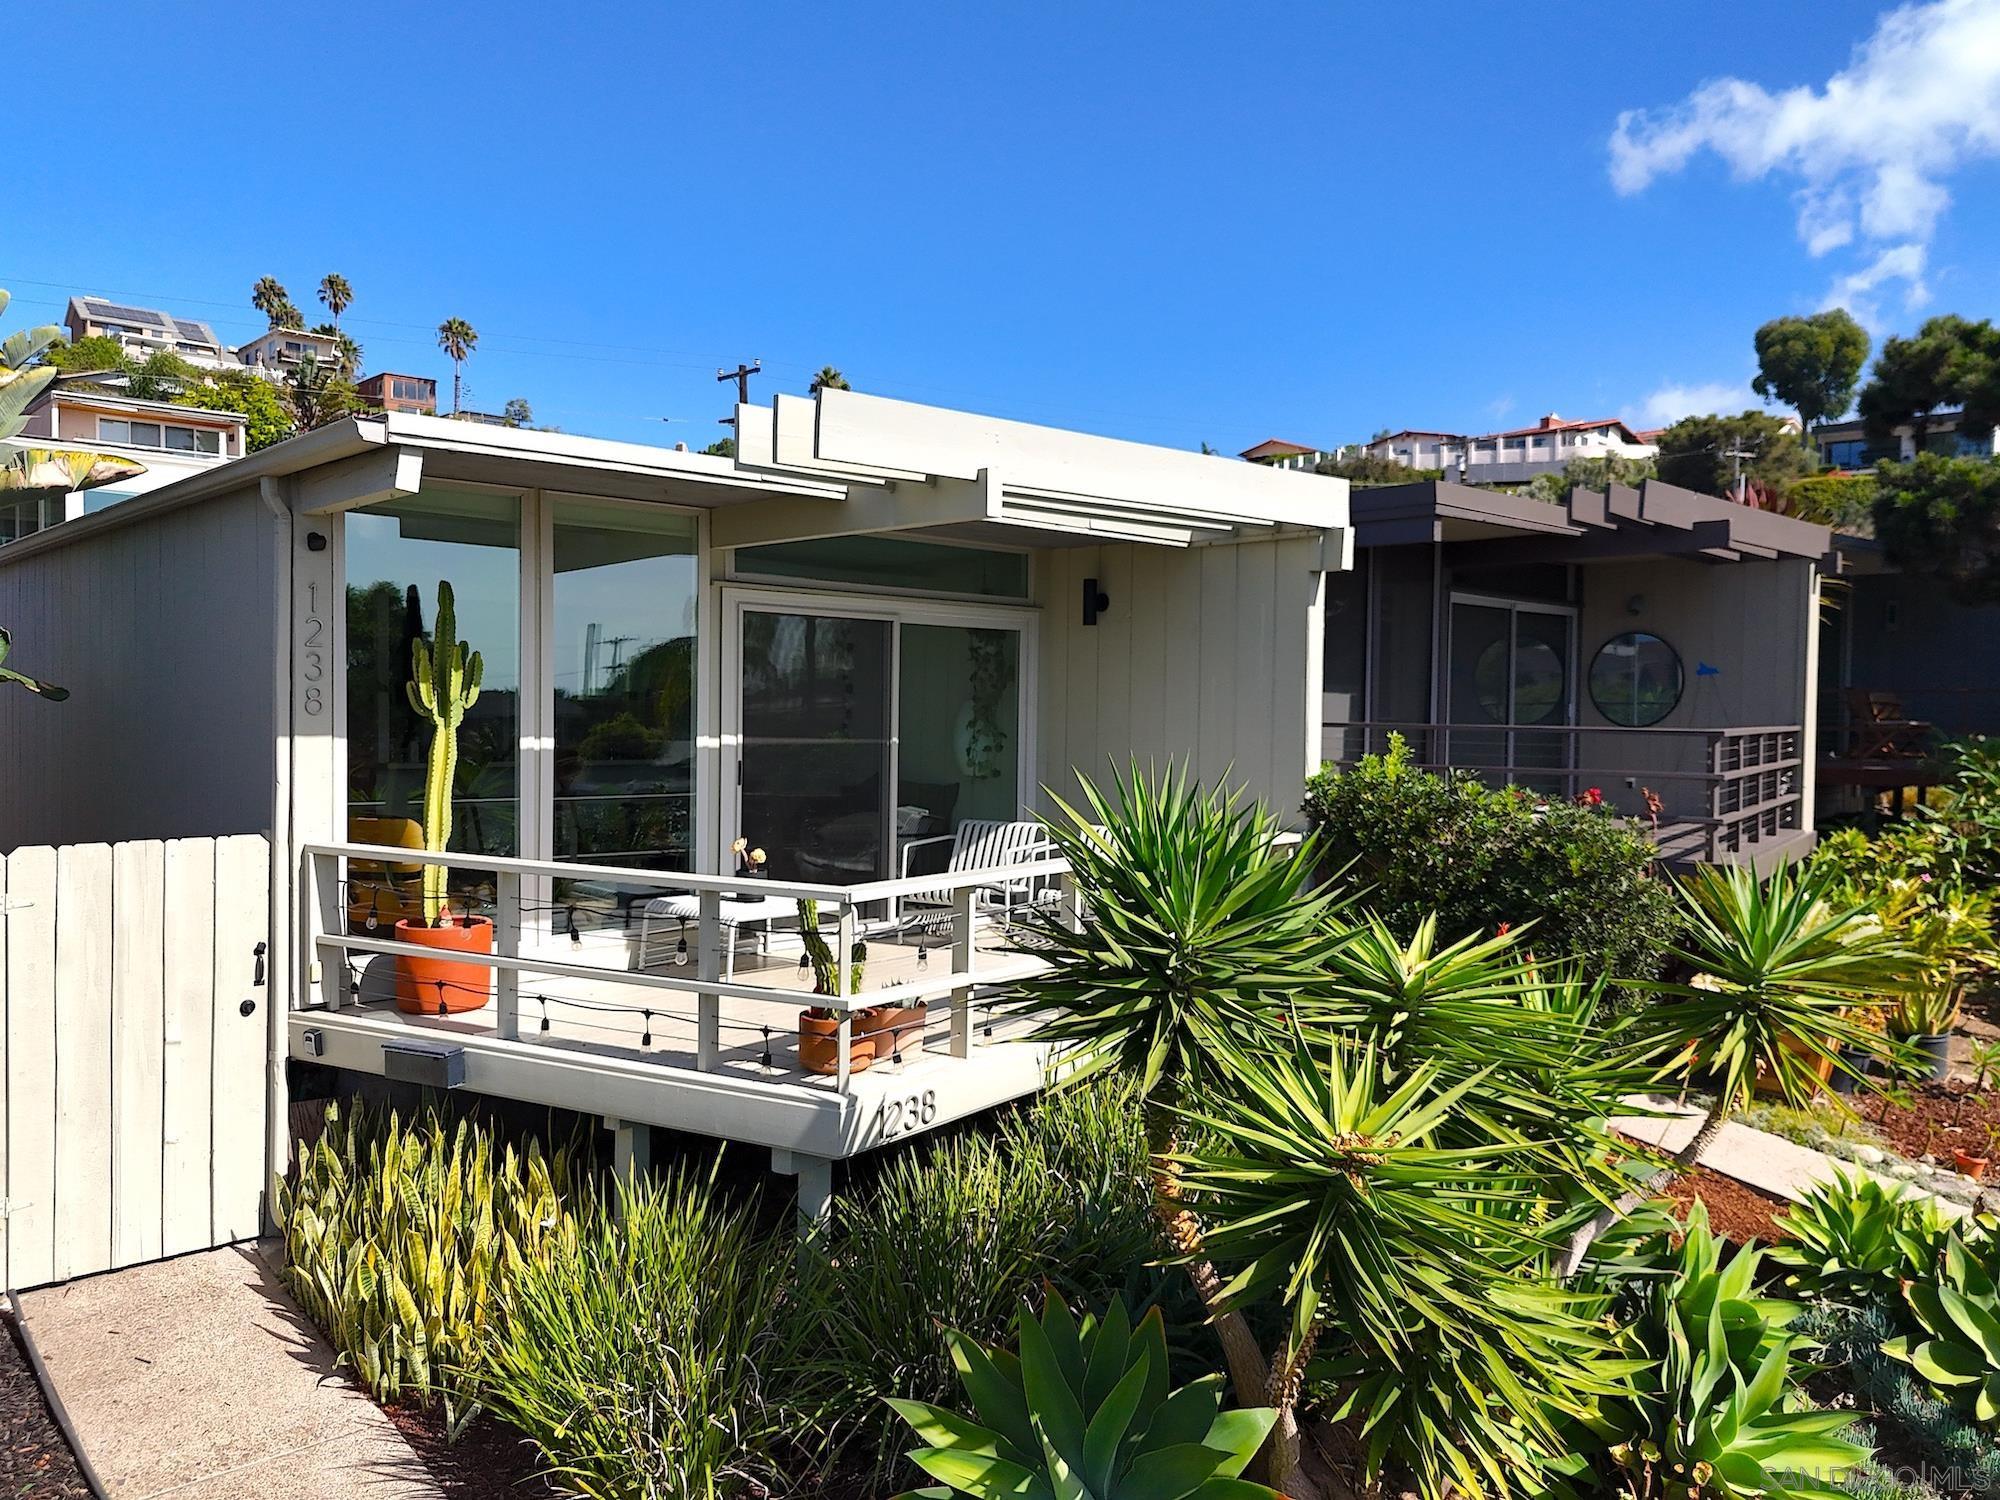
1620, 522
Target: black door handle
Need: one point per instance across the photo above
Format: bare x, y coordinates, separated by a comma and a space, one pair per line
258, 978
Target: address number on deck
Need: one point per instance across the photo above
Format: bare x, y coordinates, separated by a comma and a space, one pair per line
911, 1112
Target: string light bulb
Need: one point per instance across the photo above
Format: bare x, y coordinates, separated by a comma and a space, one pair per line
646, 1037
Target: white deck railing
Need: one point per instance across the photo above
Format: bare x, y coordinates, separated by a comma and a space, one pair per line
328, 970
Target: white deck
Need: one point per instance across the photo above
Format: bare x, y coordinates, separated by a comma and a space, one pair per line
594, 1055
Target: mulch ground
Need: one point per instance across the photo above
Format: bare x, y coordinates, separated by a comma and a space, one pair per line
35, 1462
1938, 1118
490, 1461
1735, 1210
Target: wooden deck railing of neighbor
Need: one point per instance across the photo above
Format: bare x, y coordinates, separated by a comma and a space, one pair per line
1721, 791
693, 1011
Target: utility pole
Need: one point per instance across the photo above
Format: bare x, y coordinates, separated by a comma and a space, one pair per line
741, 375
1736, 457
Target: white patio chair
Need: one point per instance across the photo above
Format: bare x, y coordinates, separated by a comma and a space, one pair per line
977, 844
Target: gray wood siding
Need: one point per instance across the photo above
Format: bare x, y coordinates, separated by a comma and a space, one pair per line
1210, 654
164, 633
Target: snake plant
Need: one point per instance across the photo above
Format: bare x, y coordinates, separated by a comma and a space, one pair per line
1083, 1412
1958, 1310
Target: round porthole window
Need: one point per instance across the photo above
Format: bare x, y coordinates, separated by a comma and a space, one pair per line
1636, 679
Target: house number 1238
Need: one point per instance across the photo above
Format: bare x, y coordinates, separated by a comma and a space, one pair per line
312, 654
901, 1116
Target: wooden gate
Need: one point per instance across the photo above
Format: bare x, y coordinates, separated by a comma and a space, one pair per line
136, 1005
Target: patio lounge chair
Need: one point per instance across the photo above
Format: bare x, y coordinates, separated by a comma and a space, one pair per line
1880, 728
977, 844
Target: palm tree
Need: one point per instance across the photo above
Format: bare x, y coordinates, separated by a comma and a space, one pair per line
270, 298
349, 360
336, 294
458, 339
828, 379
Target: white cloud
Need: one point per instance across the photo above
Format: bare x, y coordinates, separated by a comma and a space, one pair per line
1670, 403
1869, 150
1856, 291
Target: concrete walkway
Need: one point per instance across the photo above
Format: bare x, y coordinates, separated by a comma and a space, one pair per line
1756, 1157
199, 1378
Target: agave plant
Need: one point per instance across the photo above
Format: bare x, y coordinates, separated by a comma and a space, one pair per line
1957, 1308
1712, 1409
1412, 1263
1083, 1412
1853, 1235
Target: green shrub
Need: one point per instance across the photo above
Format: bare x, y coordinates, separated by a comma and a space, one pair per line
1845, 501
1479, 857
647, 1354
404, 1244
1854, 1236
955, 1234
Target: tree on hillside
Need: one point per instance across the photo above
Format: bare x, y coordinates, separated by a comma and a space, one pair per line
271, 299
458, 339
1707, 454
828, 379
517, 412
1918, 376
161, 376
336, 294
100, 353
1811, 364
721, 448
267, 418
348, 361
1939, 517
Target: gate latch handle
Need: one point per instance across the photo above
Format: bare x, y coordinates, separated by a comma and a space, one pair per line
258, 978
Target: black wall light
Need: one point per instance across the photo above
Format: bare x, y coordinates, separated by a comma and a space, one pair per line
1095, 601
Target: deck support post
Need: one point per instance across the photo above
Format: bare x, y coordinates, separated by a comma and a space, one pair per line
631, 1147
962, 950
707, 1006
843, 975
507, 943
815, 1179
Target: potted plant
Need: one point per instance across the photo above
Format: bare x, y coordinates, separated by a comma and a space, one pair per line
444, 683
1921, 1021
895, 1028
1859, 1059
1975, 1166
819, 1025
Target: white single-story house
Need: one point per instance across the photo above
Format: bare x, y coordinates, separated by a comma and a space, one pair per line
876, 631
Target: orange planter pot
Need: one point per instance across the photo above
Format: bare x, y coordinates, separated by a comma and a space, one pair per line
1972, 1166
433, 986
894, 1029
819, 1044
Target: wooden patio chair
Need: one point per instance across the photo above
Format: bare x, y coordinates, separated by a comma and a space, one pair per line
1879, 729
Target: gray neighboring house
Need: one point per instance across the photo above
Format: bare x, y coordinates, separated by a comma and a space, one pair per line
1636, 641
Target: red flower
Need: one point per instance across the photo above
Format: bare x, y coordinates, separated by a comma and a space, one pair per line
1503, 929
1591, 797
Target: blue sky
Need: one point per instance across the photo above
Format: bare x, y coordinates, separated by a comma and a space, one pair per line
1170, 222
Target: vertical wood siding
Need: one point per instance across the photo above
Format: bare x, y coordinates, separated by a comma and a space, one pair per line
132, 1086
1203, 654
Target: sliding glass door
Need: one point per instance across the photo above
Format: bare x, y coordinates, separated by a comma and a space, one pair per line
1509, 663
862, 731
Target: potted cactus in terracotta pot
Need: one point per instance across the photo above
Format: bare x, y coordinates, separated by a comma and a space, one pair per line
444, 683
819, 1025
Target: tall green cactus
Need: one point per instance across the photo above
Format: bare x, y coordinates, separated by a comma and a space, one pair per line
444, 683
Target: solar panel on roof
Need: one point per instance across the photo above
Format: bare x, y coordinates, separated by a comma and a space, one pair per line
114, 313
199, 332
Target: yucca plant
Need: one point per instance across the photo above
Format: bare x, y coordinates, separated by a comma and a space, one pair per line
1204, 925
1777, 963
1413, 1264
1083, 1412
1713, 1409
1854, 1236
1957, 1309
403, 1242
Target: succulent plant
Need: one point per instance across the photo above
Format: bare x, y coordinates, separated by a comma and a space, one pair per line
1084, 1413
1853, 1233
1958, 1309
444, 683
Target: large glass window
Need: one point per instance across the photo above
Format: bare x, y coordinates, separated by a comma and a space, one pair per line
958, 730
624, 665
1635, 679
397, 554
